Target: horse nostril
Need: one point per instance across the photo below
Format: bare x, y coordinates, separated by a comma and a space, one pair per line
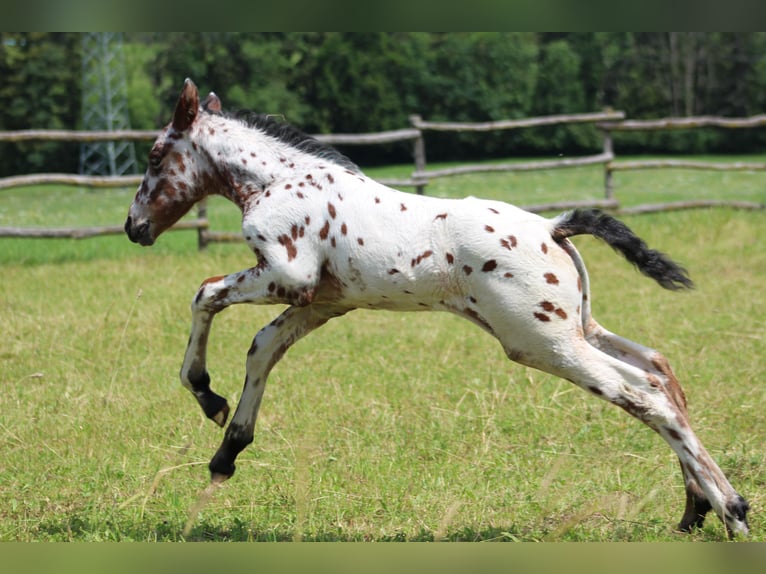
139, 233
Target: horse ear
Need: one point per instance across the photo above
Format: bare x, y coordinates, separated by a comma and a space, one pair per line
212, 104
186, 107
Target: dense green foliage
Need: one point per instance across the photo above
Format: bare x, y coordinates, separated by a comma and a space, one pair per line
360, 82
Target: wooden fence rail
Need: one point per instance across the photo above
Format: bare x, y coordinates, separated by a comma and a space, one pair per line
666, 124
607, 122
200, 223
603, 158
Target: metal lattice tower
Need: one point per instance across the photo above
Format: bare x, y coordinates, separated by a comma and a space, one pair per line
105, 105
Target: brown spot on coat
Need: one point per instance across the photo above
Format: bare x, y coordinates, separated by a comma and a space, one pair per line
441, 216
551, 278
542, 317
214, 279
325, 231
467, 269
331, 210
551, 308
179, 160
288, 244
450, 258
673, 387
489, 266
343, 229
673, 433
402, 207
421, 257
360, 241
544, 247
489, 229
509, 242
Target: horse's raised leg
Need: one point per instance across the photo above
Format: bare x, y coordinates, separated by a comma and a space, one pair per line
640, 381
268, 347
255, 285
652, 362
194, 375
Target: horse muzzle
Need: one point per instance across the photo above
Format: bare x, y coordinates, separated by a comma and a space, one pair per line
140, 233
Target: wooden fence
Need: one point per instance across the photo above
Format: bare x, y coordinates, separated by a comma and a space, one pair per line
606, 156
607, 122
200, 223
676, 124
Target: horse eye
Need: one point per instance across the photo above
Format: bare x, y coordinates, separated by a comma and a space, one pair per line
155, 161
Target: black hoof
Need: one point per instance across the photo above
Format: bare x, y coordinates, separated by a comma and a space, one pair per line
694, 515
738, 511
214, 406
234, 441
220, 470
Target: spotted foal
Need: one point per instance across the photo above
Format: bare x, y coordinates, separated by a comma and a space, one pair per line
328, 240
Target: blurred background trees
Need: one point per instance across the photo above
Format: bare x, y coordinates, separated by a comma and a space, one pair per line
360, 82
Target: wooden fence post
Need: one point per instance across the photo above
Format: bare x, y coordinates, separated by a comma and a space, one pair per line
202, 236
608, 150
419, 151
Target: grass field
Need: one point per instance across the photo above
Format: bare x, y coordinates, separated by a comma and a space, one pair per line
428, 433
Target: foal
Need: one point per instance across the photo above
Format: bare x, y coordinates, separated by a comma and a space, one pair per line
328, 240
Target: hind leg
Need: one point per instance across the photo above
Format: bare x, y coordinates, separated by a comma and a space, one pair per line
640, 381
656, 366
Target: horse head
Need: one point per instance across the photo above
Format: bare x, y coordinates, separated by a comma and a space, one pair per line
178, 175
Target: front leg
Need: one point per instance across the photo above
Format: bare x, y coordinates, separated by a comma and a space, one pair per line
257, 285
194, 375
268, 347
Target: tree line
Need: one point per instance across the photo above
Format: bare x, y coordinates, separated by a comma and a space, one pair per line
343, 82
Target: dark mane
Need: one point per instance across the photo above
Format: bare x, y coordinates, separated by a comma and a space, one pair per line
294, 137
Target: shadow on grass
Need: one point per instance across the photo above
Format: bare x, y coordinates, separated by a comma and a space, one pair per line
76, 528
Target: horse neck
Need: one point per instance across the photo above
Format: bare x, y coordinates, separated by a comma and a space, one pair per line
247, 160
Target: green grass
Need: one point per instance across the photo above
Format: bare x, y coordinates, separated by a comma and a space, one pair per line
380, 426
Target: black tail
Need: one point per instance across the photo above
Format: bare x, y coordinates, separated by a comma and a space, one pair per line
650, 262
